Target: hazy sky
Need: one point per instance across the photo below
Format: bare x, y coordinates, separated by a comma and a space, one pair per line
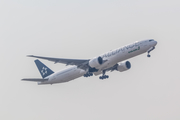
85, 29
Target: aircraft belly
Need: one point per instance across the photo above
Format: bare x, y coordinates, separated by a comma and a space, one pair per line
69, 76
77, 73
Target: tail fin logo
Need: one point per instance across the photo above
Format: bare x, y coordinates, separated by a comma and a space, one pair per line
44, 71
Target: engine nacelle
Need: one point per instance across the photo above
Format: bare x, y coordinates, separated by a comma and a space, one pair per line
96, 62
124, 66
97, 73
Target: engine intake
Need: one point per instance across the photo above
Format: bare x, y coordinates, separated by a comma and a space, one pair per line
96, 62
124, 66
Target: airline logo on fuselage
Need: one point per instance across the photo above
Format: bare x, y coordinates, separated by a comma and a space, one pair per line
136, 44
134, 50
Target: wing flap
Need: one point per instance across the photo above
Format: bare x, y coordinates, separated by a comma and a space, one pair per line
34, 79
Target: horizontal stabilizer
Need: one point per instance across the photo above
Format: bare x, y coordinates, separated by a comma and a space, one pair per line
35, 79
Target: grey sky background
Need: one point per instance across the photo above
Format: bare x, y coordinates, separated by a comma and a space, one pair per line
85, 29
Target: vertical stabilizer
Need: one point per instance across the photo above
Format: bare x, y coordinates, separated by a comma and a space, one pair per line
43, 69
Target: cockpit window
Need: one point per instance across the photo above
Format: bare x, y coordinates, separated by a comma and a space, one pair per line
151, 40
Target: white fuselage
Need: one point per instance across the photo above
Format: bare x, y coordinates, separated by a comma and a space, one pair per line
111, 57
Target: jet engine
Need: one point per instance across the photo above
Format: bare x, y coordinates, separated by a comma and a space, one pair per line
124, 66
96, 62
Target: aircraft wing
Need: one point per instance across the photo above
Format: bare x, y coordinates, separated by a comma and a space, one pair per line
34, 79
81, 63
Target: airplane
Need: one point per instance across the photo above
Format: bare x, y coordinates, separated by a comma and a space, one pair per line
110, 61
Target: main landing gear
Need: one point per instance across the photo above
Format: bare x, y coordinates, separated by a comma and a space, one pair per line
104, 76
150, 51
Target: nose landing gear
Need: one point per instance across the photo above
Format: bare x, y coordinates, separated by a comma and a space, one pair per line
148, 55
151, 49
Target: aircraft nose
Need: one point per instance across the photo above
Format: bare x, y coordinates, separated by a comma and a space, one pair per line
155, 43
